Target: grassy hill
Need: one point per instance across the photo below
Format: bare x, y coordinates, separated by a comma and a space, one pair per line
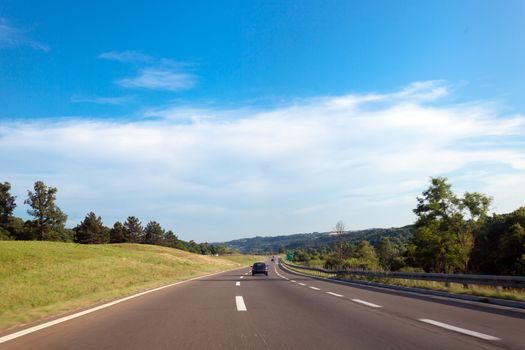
39, 279
266, 245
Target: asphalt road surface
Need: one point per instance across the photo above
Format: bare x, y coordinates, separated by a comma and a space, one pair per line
234, 310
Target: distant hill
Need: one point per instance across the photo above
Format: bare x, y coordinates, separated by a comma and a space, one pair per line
264, 245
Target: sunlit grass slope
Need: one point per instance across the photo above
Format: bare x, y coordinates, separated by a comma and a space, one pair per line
39, 279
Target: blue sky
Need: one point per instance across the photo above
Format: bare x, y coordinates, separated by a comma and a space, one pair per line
235, 118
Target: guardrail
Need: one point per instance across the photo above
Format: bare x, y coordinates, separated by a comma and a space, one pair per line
488, 280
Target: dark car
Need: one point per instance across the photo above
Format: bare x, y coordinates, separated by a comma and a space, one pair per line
259, 268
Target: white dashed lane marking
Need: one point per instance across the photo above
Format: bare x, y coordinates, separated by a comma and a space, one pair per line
366, 303
242, 277
335, 294
237, 283
292, 281
239, 301
315, 288
301, 284
459, 330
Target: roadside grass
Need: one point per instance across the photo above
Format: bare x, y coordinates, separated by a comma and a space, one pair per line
456, 288
244, 259
41, 279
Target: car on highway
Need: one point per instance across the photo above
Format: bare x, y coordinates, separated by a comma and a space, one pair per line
259, 268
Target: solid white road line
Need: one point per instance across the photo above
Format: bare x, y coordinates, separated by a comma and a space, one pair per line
301, 284
365, 303
239, 301
459, 330
314, 288
237, 283
335, 294
88, 311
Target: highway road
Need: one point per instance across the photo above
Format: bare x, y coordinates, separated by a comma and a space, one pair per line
234, 310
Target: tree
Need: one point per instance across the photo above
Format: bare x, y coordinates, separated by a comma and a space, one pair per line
153, 233
170, 239
386, 253
444, 236
91, 230
497, 249
7, 205
511, 255
49, 219
118, 233
438, 202
134, 230
339, 230
366, 251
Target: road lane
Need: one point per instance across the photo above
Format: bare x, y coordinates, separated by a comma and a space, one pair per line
302, 318
278, 314
501, 322
194, 315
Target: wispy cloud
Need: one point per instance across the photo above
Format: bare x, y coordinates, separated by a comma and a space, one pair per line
156, 74
294, 168
160, 78
126, 56
102, 100
11, 36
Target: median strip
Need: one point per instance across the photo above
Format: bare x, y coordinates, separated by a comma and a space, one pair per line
366, 303
459, 330
239, 301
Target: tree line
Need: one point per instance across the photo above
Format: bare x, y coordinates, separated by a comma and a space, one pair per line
48, 223
452, 234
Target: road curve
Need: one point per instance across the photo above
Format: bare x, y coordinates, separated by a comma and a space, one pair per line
234, 310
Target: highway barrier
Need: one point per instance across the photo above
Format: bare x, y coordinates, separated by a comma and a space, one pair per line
465, 279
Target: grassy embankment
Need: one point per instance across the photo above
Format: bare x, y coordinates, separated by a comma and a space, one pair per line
477, 290
41, 279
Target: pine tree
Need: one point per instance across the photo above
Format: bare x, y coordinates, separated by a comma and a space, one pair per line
118, 233
170, 239
91, 230
49, 219
153, 233
134, 230
7, 205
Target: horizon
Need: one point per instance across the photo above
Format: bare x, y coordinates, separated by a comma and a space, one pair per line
263, 117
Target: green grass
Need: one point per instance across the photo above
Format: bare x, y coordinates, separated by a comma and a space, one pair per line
41, 279
476, 290
244, 259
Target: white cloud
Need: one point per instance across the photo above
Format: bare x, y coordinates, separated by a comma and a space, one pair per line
11, 36
102, 100
214, 174
160, 78
126, 56
157, 74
